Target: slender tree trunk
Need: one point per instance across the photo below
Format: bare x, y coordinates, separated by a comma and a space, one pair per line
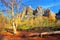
13, 23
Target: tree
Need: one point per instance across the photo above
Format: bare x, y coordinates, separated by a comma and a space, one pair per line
11, 4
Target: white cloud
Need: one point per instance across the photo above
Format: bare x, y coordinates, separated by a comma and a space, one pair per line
51, 5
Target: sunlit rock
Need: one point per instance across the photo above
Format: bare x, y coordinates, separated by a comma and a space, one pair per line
39, 11
29, 11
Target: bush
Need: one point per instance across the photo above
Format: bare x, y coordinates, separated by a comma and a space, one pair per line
24, 27
58, 24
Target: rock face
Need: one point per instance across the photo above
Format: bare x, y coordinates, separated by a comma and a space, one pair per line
39, 11
46, 12
51, 15
58, 15
29, 12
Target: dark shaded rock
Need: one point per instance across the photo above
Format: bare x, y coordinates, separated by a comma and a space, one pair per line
46, 12
58, 15
39, 11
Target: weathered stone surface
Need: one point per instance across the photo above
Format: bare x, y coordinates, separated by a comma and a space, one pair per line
51, 15
29, 11
39, 11
58, 15
47, 12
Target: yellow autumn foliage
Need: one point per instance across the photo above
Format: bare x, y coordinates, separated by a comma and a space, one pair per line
35, 22
17, 21
52, 17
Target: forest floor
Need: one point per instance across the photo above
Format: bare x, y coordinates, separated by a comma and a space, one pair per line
25, 35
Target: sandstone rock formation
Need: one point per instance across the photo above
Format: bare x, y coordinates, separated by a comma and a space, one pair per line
58, 15
29, 11
39, 11
51, 15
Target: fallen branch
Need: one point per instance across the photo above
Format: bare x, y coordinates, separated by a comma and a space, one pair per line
49, 33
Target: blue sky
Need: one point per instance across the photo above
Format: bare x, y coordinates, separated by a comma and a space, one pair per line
54, 5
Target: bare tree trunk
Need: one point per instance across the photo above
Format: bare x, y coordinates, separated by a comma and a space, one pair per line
14, 28
13, 23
